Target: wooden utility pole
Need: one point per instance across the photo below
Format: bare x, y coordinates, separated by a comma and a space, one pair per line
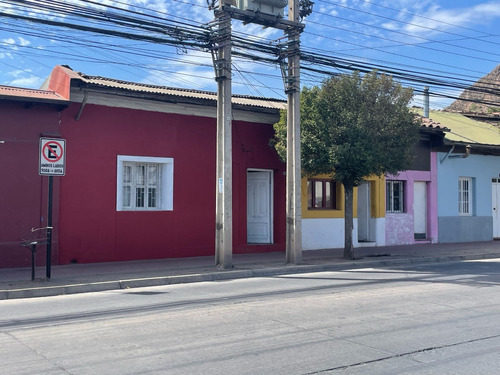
293, 166
224, 191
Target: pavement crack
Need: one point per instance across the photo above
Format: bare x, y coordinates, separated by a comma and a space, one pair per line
36, 352
345, 367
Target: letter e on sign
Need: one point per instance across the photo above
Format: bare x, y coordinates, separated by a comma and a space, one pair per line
52, 157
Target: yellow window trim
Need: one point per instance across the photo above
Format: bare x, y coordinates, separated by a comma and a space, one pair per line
377, 198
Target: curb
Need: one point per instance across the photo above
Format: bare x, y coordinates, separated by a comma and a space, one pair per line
47, 291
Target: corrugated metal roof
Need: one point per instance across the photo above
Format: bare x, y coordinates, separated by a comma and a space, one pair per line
466, 130
186, 93
19, 93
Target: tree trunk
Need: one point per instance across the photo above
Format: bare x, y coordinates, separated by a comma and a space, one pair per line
348, 220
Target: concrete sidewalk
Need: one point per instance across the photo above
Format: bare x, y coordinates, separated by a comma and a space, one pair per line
81, 278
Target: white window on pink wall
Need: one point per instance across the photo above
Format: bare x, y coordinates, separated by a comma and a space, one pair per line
394, 196
144, 183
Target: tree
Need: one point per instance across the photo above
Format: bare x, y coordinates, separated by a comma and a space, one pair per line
352, 127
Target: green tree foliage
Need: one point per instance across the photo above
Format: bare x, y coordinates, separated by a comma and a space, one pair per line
352, 127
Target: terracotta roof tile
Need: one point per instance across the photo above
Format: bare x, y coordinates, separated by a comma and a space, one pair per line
431, 124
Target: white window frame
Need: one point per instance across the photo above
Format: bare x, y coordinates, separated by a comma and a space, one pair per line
390, 195
166, 183
465, 195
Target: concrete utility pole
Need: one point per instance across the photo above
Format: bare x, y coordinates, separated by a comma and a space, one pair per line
426, 101
224, 189
251, 12
293, 164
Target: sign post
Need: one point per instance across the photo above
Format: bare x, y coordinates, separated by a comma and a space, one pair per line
52, 163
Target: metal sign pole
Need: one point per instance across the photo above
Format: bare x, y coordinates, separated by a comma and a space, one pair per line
52, 162
49, 230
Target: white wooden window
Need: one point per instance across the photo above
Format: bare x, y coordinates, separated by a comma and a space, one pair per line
394, 196
465, 196
144, 183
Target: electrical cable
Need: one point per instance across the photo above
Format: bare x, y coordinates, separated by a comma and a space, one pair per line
201, 38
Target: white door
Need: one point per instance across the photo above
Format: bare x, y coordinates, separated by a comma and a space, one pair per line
495, 201
364, 212
259, 207
420, 209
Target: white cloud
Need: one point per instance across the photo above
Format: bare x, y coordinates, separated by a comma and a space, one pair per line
441, 19
24, 42
193, 70
390, 26
12, 44
327, 9
18, 73
9, 41
24, 78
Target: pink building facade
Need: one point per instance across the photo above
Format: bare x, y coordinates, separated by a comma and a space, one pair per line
417, 222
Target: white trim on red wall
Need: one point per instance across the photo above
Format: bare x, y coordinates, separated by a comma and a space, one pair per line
166, 185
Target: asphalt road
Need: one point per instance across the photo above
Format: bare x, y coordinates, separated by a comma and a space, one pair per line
429, 319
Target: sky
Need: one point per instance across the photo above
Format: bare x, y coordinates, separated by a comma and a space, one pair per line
456, 40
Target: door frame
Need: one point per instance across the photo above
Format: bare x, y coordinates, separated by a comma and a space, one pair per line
270, 172
495, 201
364, 211
424, 211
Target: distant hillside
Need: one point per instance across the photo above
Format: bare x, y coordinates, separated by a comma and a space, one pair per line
486, 90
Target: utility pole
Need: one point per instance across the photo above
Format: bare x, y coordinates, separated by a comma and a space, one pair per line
268, 14
293, 165
224, 189
426, 101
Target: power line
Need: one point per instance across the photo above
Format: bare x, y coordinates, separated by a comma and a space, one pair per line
404, 22
200, 37
407, 35
426, 18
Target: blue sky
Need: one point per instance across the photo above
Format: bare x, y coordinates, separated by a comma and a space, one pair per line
456, 39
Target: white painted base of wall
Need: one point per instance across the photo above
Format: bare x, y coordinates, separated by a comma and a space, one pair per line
380, 231
322, 233
329, 233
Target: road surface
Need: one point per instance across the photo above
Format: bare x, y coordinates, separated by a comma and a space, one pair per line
430, 319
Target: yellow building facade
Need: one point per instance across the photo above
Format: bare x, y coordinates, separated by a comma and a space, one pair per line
323, 212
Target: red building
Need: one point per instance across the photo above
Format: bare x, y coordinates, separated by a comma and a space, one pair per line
140, 171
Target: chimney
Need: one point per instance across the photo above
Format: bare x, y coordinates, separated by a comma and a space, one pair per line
426, 101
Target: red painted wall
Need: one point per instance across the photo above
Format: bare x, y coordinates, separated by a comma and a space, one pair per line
87, 227
23, 193
90, 228
251, 150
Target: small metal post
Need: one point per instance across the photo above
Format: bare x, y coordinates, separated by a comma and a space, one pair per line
33, 250
49, 230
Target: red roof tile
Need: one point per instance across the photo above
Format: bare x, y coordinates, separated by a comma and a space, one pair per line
431, 124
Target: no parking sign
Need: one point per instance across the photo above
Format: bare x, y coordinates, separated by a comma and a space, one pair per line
52, 157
